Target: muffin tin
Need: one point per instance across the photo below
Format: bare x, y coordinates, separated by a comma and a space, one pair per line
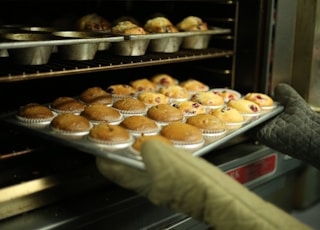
125, 154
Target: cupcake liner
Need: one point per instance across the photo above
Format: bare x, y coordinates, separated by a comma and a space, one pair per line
188, 145
127, 113
251, 116
70, 133
111, 122
266, 109
39, 121
112, 144
213, 133
234, 125
77, 112
145, 133
120, 97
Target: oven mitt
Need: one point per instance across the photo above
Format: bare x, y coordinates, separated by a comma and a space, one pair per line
296, 131
179, 181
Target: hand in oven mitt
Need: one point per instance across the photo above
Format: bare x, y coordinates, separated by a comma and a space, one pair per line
296, 131
179, 181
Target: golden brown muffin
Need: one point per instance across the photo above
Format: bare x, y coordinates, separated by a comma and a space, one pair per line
101, 113
109, 134
93, 22
140, 140
143, 84
153, 98
227, 94
192, 23
182, 132
189, 108
96, 95
67, 105
35, 111
160, 25
260, 99
140, 125
163, 80
121, 90
244, 106
208, 99
130, 105
175, 92
208, 124
69, 122
193, 85
127, 27
165, 113
232, 117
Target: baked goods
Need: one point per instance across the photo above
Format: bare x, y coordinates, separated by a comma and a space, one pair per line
230, 116
127, 27
93, 22
136, 146
69, 123
113, 135
182, 134
208, 99
189, 108
153, 98
160, 25
193, 85
143, 84
261, 99
96, 95
175, 93
119, 91
163, 79
164, 113
208, 124
67, 105
35, 113
192, 23
97, 113
247, 108
130, 106
227, 94
140, 125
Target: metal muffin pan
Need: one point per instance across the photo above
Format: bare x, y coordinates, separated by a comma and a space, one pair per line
127, 155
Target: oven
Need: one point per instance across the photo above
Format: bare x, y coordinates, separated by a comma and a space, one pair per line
45, 185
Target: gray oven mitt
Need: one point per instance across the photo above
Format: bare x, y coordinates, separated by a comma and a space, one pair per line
179, 181
296, 131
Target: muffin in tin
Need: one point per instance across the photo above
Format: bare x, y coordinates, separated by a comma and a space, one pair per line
140, 125
193, 86
70, 124
97, 113
34, 113
248, 109
67, 105
143, 84
163, 80
120, 91
175, 93
231, 116
189, 108
164, 114
96, 95
130, 106
153, 98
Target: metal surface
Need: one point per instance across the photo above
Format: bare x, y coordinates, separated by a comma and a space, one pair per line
126, 155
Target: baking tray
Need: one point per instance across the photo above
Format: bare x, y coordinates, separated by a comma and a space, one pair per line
126, 155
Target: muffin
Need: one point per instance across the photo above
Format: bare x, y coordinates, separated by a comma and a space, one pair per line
193, 86
210, 125
192, 23
230, 116
136, 146
96, 95
130, 106
183, 134
164, 114
35, 113
69, 123
143, 84
163, 80
110, 135
247, 108
189, 108
119, 91
160, 25
127, 27
227, 94
67, 105
153, 98
97, 113
140, 125
261, 99
208, 99
93, 22
175, 93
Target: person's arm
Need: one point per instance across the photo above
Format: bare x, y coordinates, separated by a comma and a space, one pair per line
179, 181
296, 131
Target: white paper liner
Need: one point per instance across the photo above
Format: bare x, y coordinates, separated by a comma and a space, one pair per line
238, 95
188, 145
111, 144
234, 125
77, 112
111, 122
145, 133
213, 133
251, 116
70, 133
266, 109
127, 113
36, 122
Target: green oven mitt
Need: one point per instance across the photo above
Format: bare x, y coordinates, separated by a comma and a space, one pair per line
179, 181
296, 131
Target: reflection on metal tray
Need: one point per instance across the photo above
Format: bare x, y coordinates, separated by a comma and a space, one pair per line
126, 155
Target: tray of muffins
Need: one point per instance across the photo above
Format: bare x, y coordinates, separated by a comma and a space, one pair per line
113, 122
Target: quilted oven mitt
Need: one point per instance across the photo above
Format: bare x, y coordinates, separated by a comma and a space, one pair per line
296, 131
179, 181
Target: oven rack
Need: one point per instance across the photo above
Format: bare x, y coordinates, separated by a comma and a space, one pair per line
103, 61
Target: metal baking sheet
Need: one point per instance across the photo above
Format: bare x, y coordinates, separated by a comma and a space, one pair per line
126, 155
